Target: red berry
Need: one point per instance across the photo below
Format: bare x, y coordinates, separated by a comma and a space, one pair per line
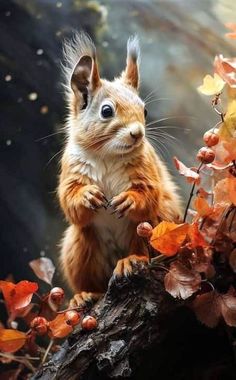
39, 325
56, 298
144, 229
89, 323
206, 155
210, 138
72, 317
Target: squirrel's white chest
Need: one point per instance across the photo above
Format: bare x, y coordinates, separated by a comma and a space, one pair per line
112, 178
110, 175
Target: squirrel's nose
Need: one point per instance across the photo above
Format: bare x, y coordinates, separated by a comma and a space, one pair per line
136, 135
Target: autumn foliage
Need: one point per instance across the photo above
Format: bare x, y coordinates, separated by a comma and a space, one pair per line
40, 316
199, 254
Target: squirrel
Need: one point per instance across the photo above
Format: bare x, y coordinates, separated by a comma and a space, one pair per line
111, 178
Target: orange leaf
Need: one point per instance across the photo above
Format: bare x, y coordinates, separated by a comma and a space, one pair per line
11, 340
202, 207
231, 26
228, 307
231, 185
43, 268
221, 192
19, 295
197, 239
167, 237
58, 326
189, 174
207, 308
226, 69
181, 282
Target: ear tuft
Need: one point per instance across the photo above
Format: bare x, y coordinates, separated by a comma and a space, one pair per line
131, 74
133, 48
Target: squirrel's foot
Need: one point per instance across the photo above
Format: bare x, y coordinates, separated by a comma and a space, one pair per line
124, 267
84, 299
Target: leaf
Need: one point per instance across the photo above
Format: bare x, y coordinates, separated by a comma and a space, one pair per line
228, 307
11, 340
221, 192
43, 268
225, 69
202, 207
181, 282
189, 174
58, 326
207, 308
167, 237
18, 295
196, 238
232, 260
231, 26
211, 85
230, 147
231, 186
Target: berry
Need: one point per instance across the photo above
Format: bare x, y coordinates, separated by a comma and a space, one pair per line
56, 298
210, 138
144, 229
39, 325
72, 317
89, 323
206, 155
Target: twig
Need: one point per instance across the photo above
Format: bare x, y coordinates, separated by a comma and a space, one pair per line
47, 351
20, 359
77, 308
191, 194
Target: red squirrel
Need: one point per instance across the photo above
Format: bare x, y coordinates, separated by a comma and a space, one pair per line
111, 177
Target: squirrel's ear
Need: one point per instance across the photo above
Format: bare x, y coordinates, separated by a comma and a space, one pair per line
131, 74
85, 78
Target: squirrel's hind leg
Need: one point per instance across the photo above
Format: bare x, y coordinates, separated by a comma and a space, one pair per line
137, 253
84, 265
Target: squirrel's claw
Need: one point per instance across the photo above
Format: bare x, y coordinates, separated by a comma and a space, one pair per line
84, 299
122, 204
124, 267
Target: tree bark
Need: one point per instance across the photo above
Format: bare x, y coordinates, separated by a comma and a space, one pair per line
143, 333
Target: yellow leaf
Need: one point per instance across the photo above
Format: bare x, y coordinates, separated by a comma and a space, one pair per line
11, 340
211, 85
228, 128
167, 237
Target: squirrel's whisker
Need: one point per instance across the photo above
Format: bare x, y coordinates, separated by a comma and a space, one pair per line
155, 100
150, 94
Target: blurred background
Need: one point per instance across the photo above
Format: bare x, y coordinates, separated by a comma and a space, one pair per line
179, 40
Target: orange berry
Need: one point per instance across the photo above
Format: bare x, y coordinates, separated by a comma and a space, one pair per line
72, 317
56, 298
144, 229
89, 323
206, 155
210, 138
39, 325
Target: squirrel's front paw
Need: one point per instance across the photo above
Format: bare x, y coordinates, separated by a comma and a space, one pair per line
93, 198
124, 267
123, 204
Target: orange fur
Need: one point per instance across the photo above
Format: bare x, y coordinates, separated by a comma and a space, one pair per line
108, 160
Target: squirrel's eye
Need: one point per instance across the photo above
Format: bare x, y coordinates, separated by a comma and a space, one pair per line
145, 112
107, 111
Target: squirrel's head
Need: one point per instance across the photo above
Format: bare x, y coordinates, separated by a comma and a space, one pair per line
106, 117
